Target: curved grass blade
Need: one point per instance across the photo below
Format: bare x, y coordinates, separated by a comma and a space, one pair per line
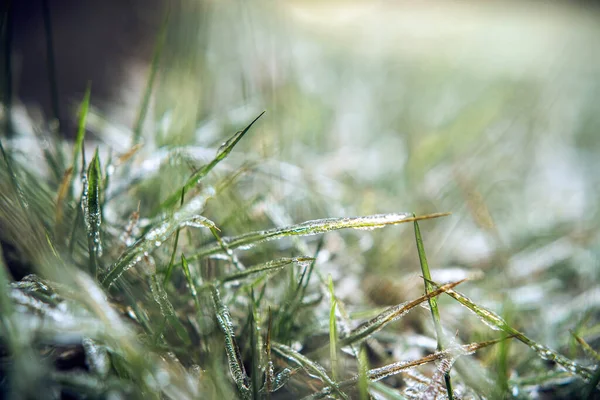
234, 358
156, 237
378, 374
435, 313
270, 266
93, 215
222, 153
496, 322
311, 367
391, 314
313, 227
166, 308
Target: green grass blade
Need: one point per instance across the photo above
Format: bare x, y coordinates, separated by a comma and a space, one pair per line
270, 266
313, 227
391, 314
363, 368
83, 113
154, 238
333, 335
190, 281
222, 153
254, 352
92, 214
172, 260
166, 308
236, 367
586, 347
496, 322
435, 313
311, 367
380, 373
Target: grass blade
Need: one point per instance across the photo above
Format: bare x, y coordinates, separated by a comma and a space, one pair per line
378, 374
93, 215
313, 227
166, 308
171, 262
190, 281
311, 367
270, 266
236, 367
391, 314
222, 153
435, 313
155, 237
496, 322
333, 335
586, 347
363, 368
83, 113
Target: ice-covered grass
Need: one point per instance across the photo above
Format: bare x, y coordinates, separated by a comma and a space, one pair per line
188, 261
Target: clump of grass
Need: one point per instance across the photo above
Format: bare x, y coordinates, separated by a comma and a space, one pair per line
131, 320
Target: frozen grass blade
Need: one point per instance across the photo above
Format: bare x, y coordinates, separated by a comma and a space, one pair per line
222, 153
378, 374
166, 308
190, 281
289, 308
435, 313
333, 334
586, 347
496, 322
391, 314
155, 238
269, 266
311, 367
172, 261
254, 351
236, 366
389, 393
270, 371
92, 214
313, 227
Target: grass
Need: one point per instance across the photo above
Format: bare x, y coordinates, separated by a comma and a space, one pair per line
172, 271
149, 314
